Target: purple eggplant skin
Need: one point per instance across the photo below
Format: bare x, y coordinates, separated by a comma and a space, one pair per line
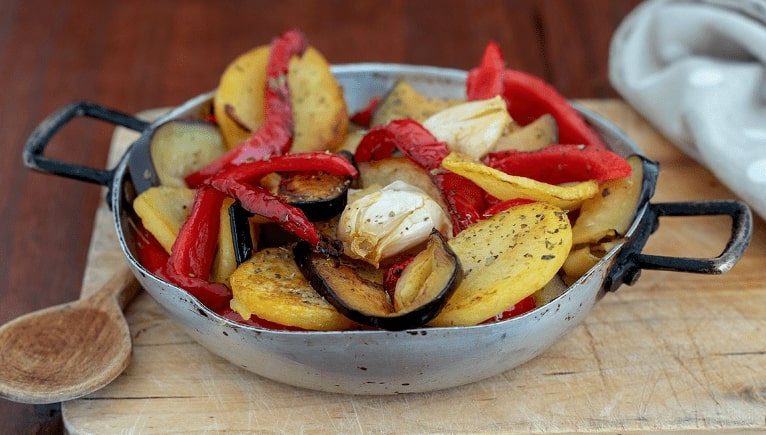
241, 235
320, 197
366, 302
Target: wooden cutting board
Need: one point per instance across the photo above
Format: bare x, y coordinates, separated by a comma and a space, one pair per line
673, 352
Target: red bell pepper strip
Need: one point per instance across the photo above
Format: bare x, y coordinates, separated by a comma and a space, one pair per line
149, 251
557, 164
240, 182
363, 117
258, 200
486, 80
274, 137
527, 98
464, 198
407, 135
521, 307
193, 251
253, 171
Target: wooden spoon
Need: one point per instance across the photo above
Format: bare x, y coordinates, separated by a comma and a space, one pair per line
69, 350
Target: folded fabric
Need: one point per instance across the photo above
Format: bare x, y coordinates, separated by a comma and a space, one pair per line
696, 70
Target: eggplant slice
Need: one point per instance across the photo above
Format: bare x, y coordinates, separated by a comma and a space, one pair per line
182, 146
319, 195
420, 294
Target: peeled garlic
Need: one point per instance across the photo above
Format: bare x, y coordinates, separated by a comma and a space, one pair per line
471, 128
389, 221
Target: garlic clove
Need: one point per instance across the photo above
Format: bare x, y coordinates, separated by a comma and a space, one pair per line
471, 128
389, 221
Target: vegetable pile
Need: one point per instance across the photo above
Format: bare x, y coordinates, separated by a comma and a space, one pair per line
280, 209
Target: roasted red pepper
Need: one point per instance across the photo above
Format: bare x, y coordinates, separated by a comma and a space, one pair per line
253, 171
464, 199
486, 80
194, 250
149, 251
407, 135
557, 164
521, 307
258, 200
274, 137
528, 97
240, 181
363, 117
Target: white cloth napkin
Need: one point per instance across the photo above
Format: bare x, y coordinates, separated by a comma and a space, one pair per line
696, 70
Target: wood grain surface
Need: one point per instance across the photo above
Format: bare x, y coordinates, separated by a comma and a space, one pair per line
678, 352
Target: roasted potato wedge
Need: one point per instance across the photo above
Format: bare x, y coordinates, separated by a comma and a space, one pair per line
609, 214
163, 209
271, 286
403, 101
506, 258
581, 259
536, 135
319, 109
603, 220
238, 103
225, 260
354, 135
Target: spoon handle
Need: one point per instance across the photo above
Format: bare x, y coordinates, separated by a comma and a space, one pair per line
122, 287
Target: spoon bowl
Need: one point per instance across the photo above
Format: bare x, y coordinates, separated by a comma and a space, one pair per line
69, 350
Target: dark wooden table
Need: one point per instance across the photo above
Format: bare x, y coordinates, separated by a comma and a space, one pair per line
143, 54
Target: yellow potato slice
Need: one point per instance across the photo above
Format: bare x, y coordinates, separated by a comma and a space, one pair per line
403, 101
163, 209
319, 109
506, 258
609, 214
504, 186
354, 135
582, 259
271, 286
225, 261
534, 136
238, 103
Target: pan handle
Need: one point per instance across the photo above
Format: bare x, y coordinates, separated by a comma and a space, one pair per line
630, 261
40, 138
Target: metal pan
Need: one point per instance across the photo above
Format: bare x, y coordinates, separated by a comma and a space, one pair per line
386, 362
